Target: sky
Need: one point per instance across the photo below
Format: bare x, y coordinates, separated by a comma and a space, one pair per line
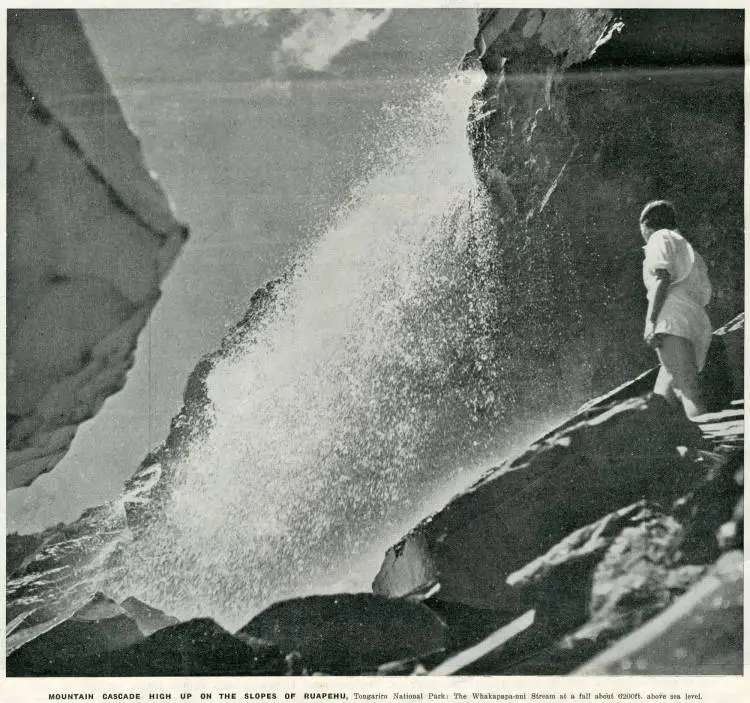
258, 123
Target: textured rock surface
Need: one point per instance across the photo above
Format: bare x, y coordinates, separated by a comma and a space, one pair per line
90, 238
99, 626
350, 633
55, 579
605, 578
148, 619
701, 633
518, 511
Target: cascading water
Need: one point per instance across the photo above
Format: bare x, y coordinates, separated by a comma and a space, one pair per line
359, 397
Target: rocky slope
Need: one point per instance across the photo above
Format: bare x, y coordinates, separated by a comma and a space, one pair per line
603, 524
661, 515
90, 238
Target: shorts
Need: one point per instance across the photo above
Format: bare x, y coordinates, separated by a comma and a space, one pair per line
682, 319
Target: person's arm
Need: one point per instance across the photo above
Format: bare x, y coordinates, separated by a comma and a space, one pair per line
656, 304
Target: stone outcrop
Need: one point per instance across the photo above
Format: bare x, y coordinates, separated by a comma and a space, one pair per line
90, 238
591, 468
596, 536
99, 626
350, 633
700, 633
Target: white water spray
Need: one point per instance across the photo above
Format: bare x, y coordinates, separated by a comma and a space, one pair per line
332, 426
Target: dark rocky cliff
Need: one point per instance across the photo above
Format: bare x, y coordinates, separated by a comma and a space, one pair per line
571, 137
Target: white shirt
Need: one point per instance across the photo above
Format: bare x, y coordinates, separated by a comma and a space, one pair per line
689, 291
668, 249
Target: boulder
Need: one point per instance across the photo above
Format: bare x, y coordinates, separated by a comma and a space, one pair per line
700, 634
558, 584
197, 647
99, 626
350, 633
148, 619
601, 463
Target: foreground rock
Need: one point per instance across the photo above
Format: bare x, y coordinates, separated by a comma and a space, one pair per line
91, 237
100, 626
198, 647
350, 634
700, 634
522, 509
597, 528
61, 570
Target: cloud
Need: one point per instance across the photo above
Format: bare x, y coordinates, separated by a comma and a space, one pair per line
309, 39
324, 34
231, 18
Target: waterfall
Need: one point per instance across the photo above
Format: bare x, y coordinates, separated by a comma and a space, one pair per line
361, 395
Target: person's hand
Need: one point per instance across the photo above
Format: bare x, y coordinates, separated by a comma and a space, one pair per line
650, 337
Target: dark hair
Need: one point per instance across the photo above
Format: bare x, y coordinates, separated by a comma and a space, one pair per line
659, 214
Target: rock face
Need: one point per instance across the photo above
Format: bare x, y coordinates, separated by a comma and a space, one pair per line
619, 455
585, 115
90, 238
51, 581
701, 633
350, 634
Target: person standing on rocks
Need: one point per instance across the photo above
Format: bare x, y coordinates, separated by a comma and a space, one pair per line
678, 290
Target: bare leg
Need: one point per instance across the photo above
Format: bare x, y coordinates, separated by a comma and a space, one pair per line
677, 359
664, 388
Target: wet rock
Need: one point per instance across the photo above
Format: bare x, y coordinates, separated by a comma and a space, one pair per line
148, 619
99, 626
577, 126
639, 576
700, 634
197, 647
594, 466
149, 487
558, 584
350, 633
59, 575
